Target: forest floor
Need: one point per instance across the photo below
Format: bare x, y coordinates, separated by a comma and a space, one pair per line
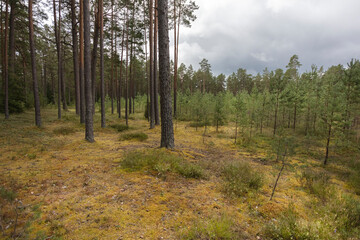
55, 185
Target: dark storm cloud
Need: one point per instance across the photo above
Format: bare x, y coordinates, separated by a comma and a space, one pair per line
255, 34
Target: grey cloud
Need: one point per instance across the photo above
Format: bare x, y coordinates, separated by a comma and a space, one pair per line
255, 34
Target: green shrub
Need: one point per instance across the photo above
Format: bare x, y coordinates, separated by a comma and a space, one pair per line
317, 183
240, 178
190, 170
348, 217
120, 127
354, 177
7, 194
288, 227
134, 136
64, 130
213, 229
161, 163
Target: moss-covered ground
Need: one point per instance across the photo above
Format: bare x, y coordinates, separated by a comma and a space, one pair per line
67, 188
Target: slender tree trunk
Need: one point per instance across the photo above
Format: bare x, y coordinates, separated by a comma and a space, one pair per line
156, 86
33, 67
24, 75
81, 65
126, 72
45, 66
6, 63
101, 16
278, 177
11, 63
57, 39
167, 130
307, 121
262, 117
121, 70
327, 144
112, 58
89, 131
117, 78
236, 128
75, 56
94, 55
146, 66
152, 91
175, 61
2, 45
62, 81
294, 124
176, 53
276, 112
131, 73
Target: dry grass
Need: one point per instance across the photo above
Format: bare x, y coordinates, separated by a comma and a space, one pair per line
76, 190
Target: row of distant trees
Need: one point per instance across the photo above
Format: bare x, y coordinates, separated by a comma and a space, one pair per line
317, 103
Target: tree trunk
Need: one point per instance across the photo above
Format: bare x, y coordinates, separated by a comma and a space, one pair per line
57, 39
81, 66
236, 128
276, 112
327, 145
94, 56
167, 131
131, 73
75, 56
102, 64
152, 91
117, 79
33, 67
112, 57
294, 124
121, 70
126, 72
89, 131
6, 63
146, 66
11, 70
156, 91
175, 61
63, 88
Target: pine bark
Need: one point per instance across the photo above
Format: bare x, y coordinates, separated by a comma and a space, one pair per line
33, 67
167, 131
75, 56
126, 72
81, 65
151, 43
156, 86
12, 40
58, 50
94, 56
175, 61
121, 70
6, 63
89, 131
112, 56
103, 124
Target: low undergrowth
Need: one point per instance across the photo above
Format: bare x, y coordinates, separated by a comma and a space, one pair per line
240, 178
65, 130
119, 127
139, 136
161, 162
223, 228
317, 183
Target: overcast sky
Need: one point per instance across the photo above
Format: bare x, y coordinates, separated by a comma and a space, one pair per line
254, 34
